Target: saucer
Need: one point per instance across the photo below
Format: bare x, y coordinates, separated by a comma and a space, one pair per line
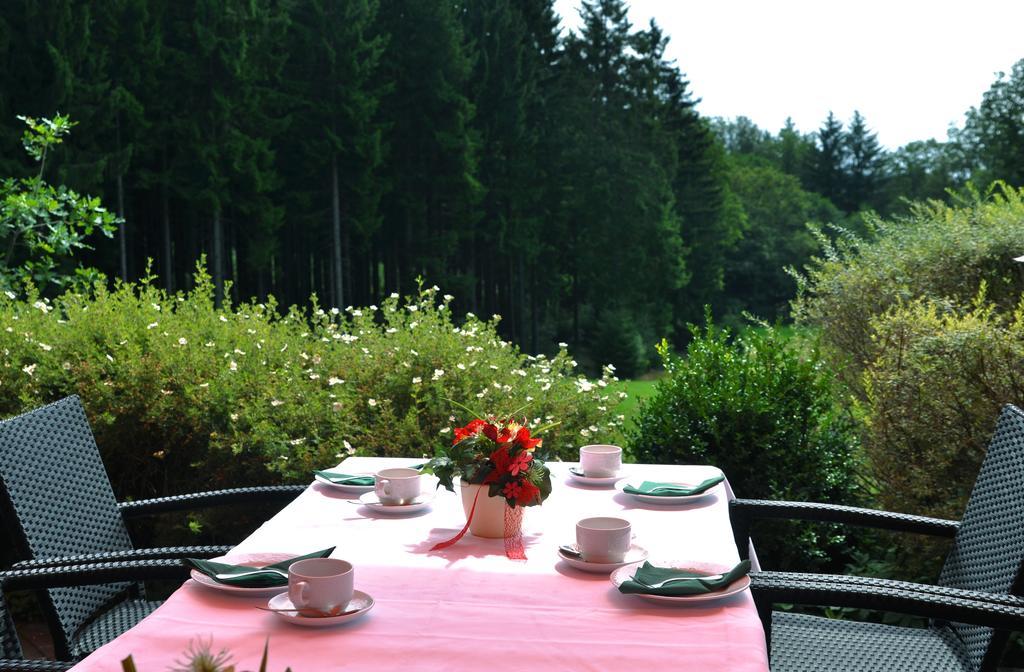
619, 576
578, 476
343, 486
360, 601
420, 502
635, 554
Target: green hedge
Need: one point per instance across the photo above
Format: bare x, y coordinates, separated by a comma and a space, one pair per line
184, 396
924, 321
938, 252
762, 406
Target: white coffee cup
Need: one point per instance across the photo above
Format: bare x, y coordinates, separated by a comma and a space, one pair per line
396, 486
600, 461
323, 584
603, 539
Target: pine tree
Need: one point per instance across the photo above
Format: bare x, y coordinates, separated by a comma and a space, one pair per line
828, 159
334, 138
431, 175
864, 166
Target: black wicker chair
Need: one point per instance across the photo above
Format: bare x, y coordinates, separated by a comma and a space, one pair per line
971, 609
11, 657
59, 506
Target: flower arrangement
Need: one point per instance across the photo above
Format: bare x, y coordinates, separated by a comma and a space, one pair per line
498, 454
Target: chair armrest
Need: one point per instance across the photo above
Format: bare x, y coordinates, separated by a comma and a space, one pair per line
994, 610
167, 552
263, 493
743, 511
8, 665
36, 578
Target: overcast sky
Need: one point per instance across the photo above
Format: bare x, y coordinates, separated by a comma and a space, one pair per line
912, 67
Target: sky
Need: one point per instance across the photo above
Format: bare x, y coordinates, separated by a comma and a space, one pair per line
911, 67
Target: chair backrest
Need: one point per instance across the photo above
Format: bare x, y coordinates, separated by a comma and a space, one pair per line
989, 546
57, 500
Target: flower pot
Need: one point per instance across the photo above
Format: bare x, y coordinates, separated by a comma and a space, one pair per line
489, 516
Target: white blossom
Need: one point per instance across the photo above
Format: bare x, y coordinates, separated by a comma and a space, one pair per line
417, 380
332, 381
30, 369
182, 341
372, 402
438, 373
276, 402
152, 325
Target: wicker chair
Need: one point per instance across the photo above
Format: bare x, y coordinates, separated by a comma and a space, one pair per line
11, 657
58, 503
971, 609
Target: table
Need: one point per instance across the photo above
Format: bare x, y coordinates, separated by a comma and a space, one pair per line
469, 607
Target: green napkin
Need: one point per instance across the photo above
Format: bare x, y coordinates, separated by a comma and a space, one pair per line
211, 568
655, 489
345, 479
690, 583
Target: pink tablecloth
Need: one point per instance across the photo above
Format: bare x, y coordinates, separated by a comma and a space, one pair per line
469, 607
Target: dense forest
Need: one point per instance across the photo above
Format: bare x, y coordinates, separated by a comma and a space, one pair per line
564, 180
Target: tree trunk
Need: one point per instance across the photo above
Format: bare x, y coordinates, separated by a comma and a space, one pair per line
339, 286
122, 226
218, 258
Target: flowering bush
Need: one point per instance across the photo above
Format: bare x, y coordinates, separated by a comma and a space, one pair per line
183, 395
498, 454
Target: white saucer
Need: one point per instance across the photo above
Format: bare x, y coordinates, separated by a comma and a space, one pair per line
619, 576
342, 486
360, 601
245, 560
580, 477
635, 554
372, 502
666, 499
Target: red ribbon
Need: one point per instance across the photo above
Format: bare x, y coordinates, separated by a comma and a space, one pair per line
514, 549
462, 532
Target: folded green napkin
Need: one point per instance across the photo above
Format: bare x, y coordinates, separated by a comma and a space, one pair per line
269, 580
655, 489
345, 479
690, 583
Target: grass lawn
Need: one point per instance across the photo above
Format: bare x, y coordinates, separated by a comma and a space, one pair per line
637, 389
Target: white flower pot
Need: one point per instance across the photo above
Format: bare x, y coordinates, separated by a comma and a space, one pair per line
489, 516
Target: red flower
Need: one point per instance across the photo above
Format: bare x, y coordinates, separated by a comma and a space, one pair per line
522, 491
520, 463
524, 440
501, 460
491, 432
472, 428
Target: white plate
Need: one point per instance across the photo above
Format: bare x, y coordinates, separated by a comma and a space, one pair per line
635, 554
372, 502
245, 560
620, 575
666, 499
580, 477
360, 601
341, 486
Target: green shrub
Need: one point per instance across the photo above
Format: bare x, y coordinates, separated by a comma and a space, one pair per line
184, 396
762, 407
938, 252
934, 392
